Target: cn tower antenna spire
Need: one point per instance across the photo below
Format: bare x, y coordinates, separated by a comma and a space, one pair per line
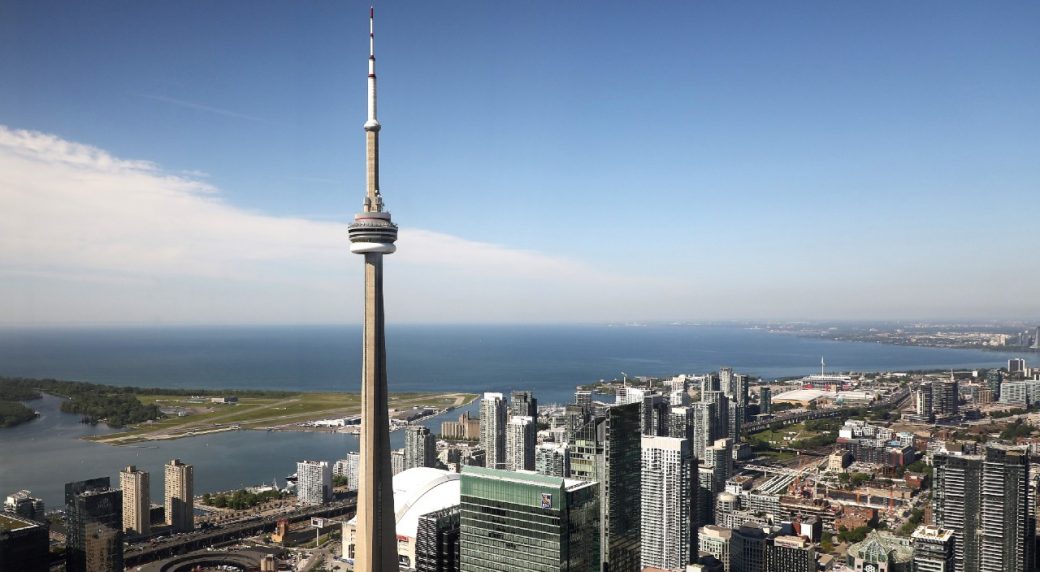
373, 198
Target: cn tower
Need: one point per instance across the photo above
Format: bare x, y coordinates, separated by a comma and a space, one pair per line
373, 235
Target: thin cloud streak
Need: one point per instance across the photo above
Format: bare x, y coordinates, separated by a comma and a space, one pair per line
205, 108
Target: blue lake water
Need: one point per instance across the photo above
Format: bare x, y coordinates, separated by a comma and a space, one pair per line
550, 360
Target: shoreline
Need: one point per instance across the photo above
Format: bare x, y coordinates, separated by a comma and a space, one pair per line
287, 414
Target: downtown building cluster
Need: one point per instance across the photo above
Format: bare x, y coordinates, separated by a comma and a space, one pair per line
99, 519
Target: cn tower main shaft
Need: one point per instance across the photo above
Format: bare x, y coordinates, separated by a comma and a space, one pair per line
373, 235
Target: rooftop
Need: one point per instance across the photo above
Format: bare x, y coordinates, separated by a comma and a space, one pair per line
877, 546
932, 533
526, 477
14, 522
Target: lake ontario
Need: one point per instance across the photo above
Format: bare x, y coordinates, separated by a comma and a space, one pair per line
550, 360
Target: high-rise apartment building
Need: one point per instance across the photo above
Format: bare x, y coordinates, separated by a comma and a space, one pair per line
606, 450
396, 461
933, 549
94, 526
313, 482
1016, 366
735, 386
710, 382
625, 395
983, 501
956, 505
465, 428
493, 429
521, 432
523, 521
348, 468
742, 384
179, 487
583, 399
945, 397
748, 549
716, 540
704, 512
523, 404
765, 399
137, 505
726, 380
420, 447
720, 458
552, 459
1008, 535
667, 476
716, 466
24, 504
734, 419
719, 417
790, 554
923, 405
680, 422
437, 541
655, 415
574, 418
703, 423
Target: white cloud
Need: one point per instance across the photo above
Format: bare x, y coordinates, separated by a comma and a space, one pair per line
84, 234
89, 237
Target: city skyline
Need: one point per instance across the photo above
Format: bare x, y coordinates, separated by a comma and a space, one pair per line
827, 162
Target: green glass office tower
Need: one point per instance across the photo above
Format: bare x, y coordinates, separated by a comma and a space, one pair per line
526, 522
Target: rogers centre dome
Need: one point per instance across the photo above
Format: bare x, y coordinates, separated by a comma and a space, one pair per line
417, 492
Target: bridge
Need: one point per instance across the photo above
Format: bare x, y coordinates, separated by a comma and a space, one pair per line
787, 471
203, 538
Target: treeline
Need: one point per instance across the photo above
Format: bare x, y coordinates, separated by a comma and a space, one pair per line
116, 406
240, 499
115, 409
12, 413
14, 392
67, 388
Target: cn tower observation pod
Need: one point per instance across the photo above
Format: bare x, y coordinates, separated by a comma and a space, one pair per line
372, 232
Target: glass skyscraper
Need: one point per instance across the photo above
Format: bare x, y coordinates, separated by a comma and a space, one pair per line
526, 522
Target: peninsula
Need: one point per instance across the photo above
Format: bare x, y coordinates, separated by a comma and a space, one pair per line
149, 414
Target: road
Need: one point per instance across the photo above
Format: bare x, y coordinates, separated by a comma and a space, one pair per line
183, 543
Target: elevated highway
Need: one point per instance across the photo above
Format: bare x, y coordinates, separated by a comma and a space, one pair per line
182, 544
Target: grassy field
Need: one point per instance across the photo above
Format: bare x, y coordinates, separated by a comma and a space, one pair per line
188, 416
784, 436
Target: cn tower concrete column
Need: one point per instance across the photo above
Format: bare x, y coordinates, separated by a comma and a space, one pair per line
376, 545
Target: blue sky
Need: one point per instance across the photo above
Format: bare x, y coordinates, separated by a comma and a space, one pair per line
667, 160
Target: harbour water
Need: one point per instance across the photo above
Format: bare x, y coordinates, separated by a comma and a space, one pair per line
550, 360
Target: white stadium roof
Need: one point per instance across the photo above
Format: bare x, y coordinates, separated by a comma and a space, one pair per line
420, 491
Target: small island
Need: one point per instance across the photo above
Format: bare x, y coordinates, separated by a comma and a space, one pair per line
12, 412
148, 414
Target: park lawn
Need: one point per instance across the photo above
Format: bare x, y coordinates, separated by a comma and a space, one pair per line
778, 436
